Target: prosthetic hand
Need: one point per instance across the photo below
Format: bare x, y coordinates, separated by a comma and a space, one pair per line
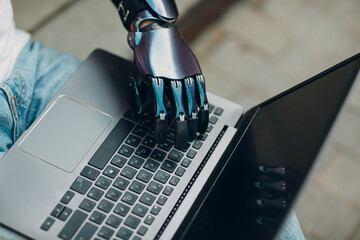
165, 74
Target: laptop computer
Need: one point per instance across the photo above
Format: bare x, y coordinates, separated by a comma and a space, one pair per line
88, 167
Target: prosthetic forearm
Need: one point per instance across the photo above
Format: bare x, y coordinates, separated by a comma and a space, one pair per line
164, 70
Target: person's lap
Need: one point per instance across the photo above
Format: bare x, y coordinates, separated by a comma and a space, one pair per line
39, 72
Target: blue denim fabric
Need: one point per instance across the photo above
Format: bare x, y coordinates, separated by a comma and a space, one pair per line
38, 74
291, 229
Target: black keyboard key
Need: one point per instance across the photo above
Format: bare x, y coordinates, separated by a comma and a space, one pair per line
129, 198
113, 194
166, 145
142, 230
151, 165
132, 221
118, 161
105, 232
168, 190
202, 137
162, 176
146, 121
124, 233
136, 162
139, 131
184, 149
197, 144
180, 171
158, 155
211, 108
147, 199
90, 173
95, 193
126, 150
144, 176
213, 119
149, 141
121, 209
113, 221
143, 151
111, 171
174, 180
133, 140
128, 172
57, 210
161, 200
152, 132
155, 210
149, 219
191, 154
186, 162
86, 232
175, 155
65, 214
209, 128
140, 210
154, 187
103, 182
97, 217
121, 183
111, 143
218, 111
72, 225
47, 223
137, 187
171, 135
168, 166
67, 197
105, 205
80, 185
132, 115
87, 205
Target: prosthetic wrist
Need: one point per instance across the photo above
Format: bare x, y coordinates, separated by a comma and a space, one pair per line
164, 68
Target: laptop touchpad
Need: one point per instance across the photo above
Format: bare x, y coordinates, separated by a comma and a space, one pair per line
65, 133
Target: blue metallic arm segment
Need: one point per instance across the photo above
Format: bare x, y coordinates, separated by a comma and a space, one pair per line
157, 85
189, 85
164, 8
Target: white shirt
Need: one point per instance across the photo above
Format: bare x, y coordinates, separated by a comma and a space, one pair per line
12, 40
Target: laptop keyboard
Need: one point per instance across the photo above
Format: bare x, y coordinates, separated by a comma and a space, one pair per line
124, 192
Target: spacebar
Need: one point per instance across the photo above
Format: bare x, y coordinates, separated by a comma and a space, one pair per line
72, 225
111, 143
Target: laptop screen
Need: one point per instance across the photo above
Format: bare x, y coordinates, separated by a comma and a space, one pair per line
285, 137
260, 178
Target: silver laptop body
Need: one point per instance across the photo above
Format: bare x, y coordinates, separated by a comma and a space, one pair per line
49, 156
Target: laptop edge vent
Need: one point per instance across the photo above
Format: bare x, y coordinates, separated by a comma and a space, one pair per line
191, 182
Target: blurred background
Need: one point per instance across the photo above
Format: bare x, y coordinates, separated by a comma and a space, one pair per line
249, 50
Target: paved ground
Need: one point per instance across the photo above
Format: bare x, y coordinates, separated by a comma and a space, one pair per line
255, 50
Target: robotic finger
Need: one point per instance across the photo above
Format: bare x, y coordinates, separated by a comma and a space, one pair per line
181, 124
189, 86
203, 103
156, 88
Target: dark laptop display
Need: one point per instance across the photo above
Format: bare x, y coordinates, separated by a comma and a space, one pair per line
260, 173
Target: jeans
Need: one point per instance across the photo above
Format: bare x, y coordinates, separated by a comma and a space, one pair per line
39, 72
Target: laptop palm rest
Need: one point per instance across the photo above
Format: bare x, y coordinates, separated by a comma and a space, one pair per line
77, 127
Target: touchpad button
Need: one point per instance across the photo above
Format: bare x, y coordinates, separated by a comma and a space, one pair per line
65, 133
